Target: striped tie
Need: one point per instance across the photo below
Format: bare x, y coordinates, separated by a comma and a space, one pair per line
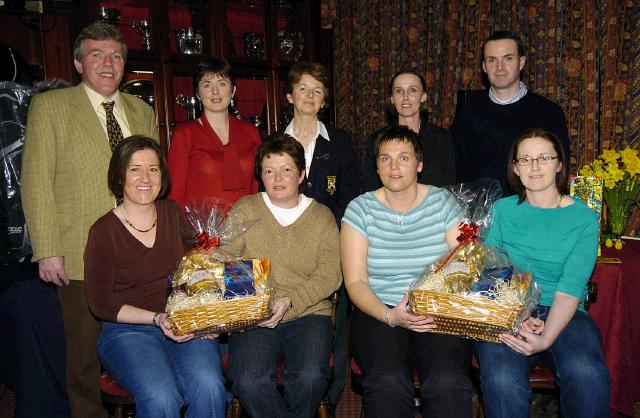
113, 128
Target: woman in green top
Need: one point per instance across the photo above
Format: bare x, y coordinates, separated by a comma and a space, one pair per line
555, 237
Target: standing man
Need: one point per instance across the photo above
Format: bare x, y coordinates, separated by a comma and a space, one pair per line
484, 130
69, 139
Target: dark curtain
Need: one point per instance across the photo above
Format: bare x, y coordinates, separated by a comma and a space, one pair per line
585, 55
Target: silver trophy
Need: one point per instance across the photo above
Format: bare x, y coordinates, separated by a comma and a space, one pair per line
191, 104
189, 41
143, 27
110, 15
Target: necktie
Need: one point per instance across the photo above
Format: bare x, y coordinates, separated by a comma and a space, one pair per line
113, 128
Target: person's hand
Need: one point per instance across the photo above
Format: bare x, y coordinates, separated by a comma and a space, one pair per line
280, 307
211, 336
165, 326
51, 270
398, 316
533, 325
525, 343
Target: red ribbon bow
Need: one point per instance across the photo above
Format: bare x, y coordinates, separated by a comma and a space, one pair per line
467, 232
204, 241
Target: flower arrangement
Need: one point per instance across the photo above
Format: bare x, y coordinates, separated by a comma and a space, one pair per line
620, 171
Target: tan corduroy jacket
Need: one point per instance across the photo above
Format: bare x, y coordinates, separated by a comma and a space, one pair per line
64, 171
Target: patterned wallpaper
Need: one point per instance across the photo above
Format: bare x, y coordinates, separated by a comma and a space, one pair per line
585, 55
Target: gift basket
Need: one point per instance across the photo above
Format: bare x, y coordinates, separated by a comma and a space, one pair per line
475, 291
213, 291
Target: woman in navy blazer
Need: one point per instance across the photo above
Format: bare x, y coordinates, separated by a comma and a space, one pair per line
331, 161
331, 177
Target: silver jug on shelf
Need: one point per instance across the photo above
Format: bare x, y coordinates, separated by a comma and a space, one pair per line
189, 41
191, 104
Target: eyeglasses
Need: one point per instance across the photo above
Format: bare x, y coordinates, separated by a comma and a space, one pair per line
543, 159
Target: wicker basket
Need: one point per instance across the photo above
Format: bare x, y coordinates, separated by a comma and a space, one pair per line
223, 316
454, 314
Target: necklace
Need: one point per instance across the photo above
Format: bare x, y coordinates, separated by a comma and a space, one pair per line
559, 200
124, 217
400, 219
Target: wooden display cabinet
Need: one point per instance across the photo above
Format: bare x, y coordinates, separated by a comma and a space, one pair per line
260, 38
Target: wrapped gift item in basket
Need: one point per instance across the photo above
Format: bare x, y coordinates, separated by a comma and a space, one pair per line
475, 291
213, 291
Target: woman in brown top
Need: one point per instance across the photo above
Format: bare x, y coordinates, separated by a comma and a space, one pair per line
130, 253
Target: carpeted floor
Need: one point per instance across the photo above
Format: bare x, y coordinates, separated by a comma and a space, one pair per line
349, 406
7, 402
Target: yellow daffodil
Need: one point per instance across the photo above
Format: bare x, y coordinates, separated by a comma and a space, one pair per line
614, 171
609, 243
586, 171
633, 167
598, 168
618, 245
620, 172
629, 156
609, 183
610, 156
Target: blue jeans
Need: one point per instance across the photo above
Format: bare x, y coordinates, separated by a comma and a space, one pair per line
305, 345
162, 375
576, 360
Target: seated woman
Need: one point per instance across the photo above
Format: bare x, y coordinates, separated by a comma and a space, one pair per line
300, 237
555, 237
129, 255
388, 237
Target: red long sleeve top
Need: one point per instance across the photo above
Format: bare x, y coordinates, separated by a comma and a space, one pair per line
202, 167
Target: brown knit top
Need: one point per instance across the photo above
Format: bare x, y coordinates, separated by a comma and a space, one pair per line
305, 256
120, 270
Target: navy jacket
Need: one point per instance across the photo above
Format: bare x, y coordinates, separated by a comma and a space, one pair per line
333, 180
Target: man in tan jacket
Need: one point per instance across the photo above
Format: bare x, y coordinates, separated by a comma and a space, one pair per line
69, 137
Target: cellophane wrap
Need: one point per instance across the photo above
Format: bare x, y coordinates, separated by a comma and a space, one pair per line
475, 291
214, 291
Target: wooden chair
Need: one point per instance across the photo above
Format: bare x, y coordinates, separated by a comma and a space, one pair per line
115, 395
124, 406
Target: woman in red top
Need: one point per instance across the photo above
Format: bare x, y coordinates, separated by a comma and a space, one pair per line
212, 156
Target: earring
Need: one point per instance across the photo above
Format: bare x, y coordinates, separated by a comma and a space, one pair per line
232, 103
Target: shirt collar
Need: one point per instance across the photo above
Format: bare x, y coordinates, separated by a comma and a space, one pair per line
522, 90
97, 99
320, 130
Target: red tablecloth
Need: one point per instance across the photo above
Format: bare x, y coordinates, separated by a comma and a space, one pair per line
617, 314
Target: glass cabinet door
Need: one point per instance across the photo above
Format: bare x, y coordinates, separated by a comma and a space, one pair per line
292, 27
246, 37
189, 27
134, 21
251, 101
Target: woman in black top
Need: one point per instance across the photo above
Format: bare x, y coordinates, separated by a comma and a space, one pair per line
406, 106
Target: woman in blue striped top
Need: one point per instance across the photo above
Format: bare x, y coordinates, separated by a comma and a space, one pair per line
388, 237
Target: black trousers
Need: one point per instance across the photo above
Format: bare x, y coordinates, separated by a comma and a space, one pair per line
388, 357
32, 343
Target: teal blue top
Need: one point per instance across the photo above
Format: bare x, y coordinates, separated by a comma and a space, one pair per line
559, 245
402, 245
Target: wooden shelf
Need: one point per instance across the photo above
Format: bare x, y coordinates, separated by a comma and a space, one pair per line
221, 23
